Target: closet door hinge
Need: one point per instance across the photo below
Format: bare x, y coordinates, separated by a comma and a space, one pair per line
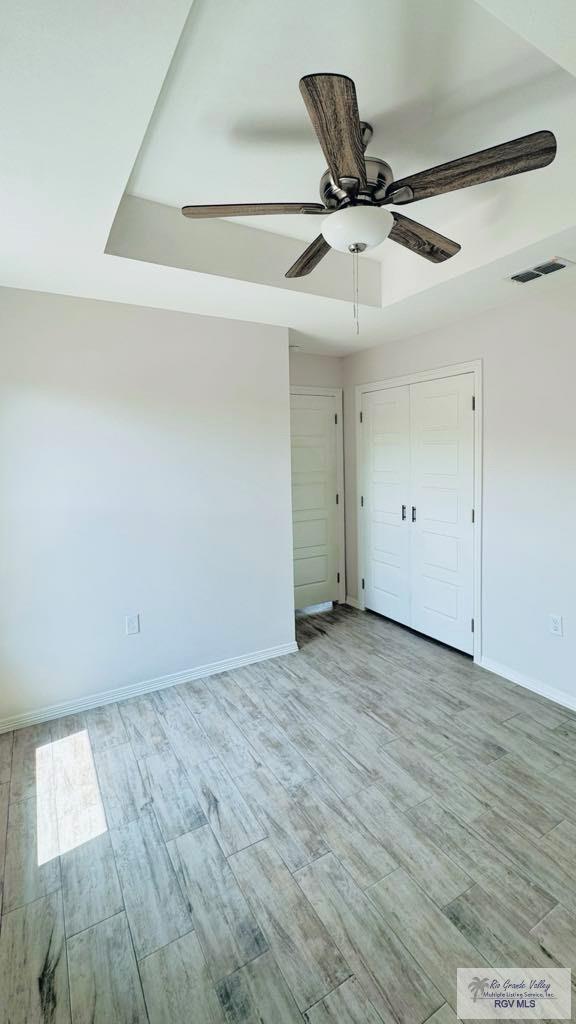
361, 501
473, 516
472, 625
336, 417
337, 498
337, 577
361, 418
363, 584
473, 403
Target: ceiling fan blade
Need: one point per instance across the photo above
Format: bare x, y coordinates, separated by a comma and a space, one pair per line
310, 258
331, 103
251, 209
422, 240
525, 154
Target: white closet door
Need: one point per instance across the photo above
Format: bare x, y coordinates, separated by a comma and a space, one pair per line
442, 494
386, 419
314, 509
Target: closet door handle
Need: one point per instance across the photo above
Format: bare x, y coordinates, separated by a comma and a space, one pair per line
413, 513
403, 512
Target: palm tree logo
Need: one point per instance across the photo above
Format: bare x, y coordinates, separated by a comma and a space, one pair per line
477, 986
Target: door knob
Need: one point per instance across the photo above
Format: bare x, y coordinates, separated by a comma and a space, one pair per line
413, 513
403, 511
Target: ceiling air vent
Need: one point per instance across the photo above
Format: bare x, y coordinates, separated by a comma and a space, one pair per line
525, 276
550, 267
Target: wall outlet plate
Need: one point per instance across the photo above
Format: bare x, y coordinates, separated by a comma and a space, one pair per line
132, 624
556, 625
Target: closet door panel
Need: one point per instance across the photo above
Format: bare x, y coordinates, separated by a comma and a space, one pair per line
386, 418
442, 494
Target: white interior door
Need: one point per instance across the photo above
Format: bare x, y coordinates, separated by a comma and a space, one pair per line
314, 499
386, 425
442, 495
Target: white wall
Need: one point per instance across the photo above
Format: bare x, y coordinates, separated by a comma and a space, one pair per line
308, 370
144, 467
529, 531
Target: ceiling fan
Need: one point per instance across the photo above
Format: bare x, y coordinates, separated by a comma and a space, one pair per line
356, 189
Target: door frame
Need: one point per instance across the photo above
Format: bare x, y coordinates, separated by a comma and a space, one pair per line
454, 370
337, 394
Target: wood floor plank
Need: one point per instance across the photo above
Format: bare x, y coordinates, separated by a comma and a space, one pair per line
71, 725
177, 984
560, 844
445, 1015
556, 936
6, 740
4, 799
226, 691
332, 765
290, 830
33, 967
402, 787
303, 948
474, 722
567, 729
347, 1004
105, 727
230, 817
228, 741
31, 747
439, 781
32, 866
90, 885
410, 847
357, 849
227, 930
258, 992
494, 791
434, 942
79, 808
275, 750
188, 741
142, 726
496, 932
548, 789
123, 792
195, 694
104, 981
385, 969
550, 717
531, 859
485, 863
173, 799
155, 906
557, 746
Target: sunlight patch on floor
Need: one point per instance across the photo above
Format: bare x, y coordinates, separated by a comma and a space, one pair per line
69, 809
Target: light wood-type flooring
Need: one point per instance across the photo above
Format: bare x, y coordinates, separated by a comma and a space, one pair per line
323, 837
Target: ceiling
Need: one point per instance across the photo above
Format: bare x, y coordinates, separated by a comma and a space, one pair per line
178, 105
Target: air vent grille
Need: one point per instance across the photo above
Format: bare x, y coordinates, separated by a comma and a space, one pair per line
525, 276
550, 267
542, 270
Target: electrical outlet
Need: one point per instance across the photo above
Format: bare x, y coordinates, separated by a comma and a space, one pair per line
556, 626
132, 624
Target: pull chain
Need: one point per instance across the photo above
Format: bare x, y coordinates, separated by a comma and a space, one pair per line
355, 294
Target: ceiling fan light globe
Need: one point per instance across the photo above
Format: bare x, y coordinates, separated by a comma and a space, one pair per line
357, 226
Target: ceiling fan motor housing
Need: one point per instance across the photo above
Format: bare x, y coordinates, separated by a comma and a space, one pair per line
378, 175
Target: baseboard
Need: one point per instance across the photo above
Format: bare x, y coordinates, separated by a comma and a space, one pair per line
556, 696
137, 689
354, 603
